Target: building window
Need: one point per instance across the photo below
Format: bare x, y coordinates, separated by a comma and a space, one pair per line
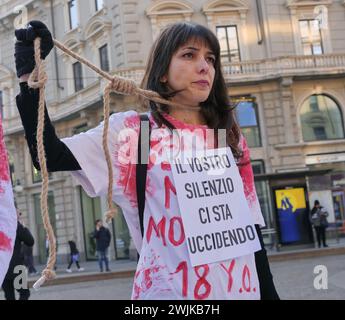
311, 37
320, 133
36, 175
78, 76
12, 170
73, 14
321, 119
122, 237
79, 129
263, 192
229, 44
258, 167
41, 240
246, 115
339, 205
103, 55
99, 4
91, 211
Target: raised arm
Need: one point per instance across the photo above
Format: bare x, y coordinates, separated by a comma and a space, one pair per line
59, 157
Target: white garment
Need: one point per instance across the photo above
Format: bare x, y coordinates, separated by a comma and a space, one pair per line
8, 216
164, 270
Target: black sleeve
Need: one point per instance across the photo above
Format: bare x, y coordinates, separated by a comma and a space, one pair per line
59, 157
267, 288
96, 234
25, 235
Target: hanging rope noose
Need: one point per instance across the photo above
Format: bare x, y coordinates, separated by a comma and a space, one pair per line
38, 79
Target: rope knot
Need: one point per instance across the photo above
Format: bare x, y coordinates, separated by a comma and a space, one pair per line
37, 83
122, 85
49, 274
110, 214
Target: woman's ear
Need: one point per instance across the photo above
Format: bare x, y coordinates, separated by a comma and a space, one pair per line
164, 79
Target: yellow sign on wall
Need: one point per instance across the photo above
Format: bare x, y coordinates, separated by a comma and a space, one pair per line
294, 198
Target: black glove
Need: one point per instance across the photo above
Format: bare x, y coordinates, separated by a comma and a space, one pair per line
24, 46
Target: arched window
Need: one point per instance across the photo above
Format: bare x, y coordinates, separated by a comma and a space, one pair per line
321, 119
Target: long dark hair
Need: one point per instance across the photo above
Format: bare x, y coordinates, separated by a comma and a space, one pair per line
216, 109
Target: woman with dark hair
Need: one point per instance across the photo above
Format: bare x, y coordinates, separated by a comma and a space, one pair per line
181, 41
184, 67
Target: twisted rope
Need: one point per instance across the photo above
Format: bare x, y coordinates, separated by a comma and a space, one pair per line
38, 79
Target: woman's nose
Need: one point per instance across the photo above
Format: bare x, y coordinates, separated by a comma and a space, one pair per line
203, 66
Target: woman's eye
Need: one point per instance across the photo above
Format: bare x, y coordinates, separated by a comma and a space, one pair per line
211, 60
188, 55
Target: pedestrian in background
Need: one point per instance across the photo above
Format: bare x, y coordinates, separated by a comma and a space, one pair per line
74, 256
102, 236
318, 218
27, 252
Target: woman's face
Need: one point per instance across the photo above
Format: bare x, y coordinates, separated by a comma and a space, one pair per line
192, 70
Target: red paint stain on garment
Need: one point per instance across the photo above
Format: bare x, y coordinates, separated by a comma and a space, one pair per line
127, 171
127, 181
149, 276
166, 166
4, 172
5, 242
246, 173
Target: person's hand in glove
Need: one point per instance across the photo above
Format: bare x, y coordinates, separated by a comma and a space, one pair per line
24, 46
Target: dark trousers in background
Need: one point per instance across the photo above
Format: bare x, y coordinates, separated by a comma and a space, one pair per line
103, 256
321, 235
71, 262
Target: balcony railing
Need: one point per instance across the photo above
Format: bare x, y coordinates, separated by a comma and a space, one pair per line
135, 74
269, 68
256, 70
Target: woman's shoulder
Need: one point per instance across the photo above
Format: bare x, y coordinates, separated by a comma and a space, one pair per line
129, 119
124, 120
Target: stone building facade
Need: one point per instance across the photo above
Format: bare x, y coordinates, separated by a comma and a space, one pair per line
284, 64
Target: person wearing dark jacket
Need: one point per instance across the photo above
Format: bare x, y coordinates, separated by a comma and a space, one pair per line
318, 218
23, 236
102, 236
59, 156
